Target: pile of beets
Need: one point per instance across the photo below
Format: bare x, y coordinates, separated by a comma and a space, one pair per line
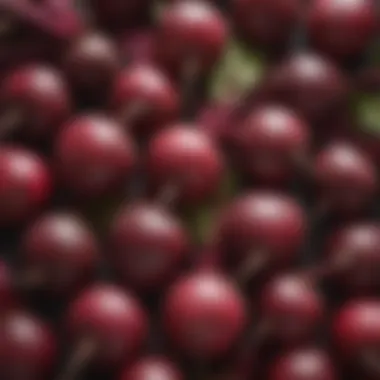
189, 190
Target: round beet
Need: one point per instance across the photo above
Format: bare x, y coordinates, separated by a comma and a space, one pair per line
107, 326
261, 229
152, 367
92, 61
36, 98
309, 83
25, 184
292, 308
59, 253
148, 244
198, 308
356, 330
345, 176
185, 159
27, 347
342, 28
191, 33
94, 155
303, 364
144, 98
270, 144
354, 251
266, 22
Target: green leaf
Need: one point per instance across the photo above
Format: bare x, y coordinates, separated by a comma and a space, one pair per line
238, 72
367, 109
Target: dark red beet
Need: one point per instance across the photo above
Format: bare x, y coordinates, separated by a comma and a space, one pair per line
215, 118
270, 144
8, 297
345, 177
92, 62
36, 98
152, 367
107, 326
148, 244
354, 252
309, 83
342, 28
27, 347
59, 253
204, 314
185, 159
356, 330
191, 36
94, 155
291, 308
303, 364
138, 46
261, 229
143, 97
266, 22
25, 184
117, 14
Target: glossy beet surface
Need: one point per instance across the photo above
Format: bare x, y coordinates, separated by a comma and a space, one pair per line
342, 28
186, 160
25, 184
345, 176
292, 307
304, 364
111, 319
355, 252
149, 245
197, 308
144, 99
152, 366
270, 144
191, 33
61, 251
94, 155
37, 98
27, 347
309, 83
263, 224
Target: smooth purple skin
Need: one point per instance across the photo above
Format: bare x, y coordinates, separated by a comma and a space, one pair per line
26, 185
63, 247
112, 318
188, 159
42, 97
303, 364
292, 308
150, 367
266, 22
138, 46
28, 348
94, 155
262, 221
197, 308
92, 62
345, 176
342, 29
58, 19
355, 251
307, 82
192, 30
356, 329
149, 244
270, 142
